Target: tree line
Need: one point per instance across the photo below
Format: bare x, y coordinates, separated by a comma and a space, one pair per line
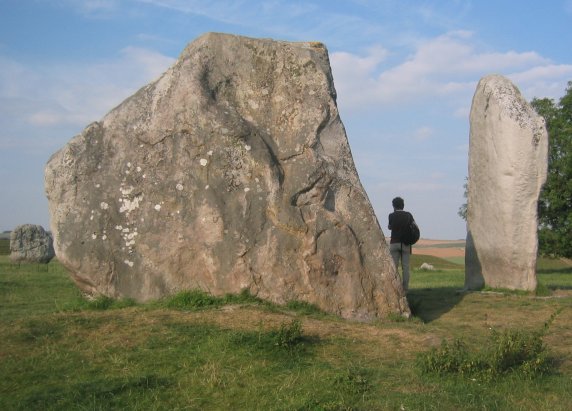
555, 203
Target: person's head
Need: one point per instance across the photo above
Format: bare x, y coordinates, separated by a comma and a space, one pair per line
398, 203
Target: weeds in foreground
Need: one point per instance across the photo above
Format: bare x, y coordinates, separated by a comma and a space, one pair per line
196, 300
289, 334
304, 308
353, 380
508, 352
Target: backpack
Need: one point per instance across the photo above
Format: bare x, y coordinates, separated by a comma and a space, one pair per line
411, 233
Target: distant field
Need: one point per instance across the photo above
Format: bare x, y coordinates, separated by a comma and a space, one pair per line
453, 251
437, 262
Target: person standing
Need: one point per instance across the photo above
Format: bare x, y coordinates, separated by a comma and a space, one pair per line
398, 223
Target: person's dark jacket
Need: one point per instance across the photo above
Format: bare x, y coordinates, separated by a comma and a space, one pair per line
398, 221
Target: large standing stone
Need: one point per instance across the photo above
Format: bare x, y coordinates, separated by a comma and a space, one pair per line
32, 244
507, 168
230, 172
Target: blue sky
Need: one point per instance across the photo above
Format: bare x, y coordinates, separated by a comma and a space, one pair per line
405, 73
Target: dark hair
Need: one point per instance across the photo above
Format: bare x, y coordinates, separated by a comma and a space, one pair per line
398, 203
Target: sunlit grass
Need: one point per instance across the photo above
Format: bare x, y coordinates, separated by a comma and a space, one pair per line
194, 351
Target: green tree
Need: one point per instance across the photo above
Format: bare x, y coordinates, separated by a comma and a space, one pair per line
463, 210
555, 204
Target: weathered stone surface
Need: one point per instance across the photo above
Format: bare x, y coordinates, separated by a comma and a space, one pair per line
31, 243
230, 172
507, 168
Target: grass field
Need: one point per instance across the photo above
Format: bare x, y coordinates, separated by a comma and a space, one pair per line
4, 246
58, 352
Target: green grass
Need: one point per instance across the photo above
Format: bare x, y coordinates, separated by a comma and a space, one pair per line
4, 246
194, 351
554, 274
459, 244
439, 263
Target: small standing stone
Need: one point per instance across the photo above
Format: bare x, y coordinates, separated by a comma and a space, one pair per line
31, 243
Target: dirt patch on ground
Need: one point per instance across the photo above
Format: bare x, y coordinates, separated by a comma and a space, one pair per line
440, 248
441, 252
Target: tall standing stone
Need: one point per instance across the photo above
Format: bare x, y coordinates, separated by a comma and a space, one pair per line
507, 168
32, 244
231, 172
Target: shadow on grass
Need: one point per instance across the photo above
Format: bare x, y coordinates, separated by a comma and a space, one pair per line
428, 304
553, 287
565, 270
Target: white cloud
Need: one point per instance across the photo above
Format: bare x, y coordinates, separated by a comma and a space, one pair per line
45, 118
462, 112
77, 93
423, 133
92, 8
445, 66
39, 102
543, 81
354, 75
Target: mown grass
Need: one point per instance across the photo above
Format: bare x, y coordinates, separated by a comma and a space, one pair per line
4, 246
194, 351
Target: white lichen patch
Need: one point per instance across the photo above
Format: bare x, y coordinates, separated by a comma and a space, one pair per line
180, 187
129, 263
247, 147
203, 161
206, 187
94, 236
130, 204
103, 205
126, 191
104, 237
246, 189
210, 153
158, 207
138, 169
